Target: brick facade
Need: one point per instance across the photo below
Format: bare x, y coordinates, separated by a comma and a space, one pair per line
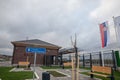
19, 54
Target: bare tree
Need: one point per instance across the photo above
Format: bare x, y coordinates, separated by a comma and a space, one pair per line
74, 44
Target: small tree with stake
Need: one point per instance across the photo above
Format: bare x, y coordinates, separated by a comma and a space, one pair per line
76, 65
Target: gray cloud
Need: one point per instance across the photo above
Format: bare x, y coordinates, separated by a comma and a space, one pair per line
49, 20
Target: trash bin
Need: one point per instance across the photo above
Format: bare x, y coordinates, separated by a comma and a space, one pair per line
45, 76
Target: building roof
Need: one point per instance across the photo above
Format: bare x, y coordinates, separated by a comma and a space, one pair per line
36, 42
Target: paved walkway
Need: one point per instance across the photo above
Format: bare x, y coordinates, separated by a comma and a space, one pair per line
39, 71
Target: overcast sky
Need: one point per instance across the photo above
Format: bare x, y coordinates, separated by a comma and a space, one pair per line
54, 21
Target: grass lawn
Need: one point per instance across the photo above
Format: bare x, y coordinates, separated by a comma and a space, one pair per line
87, 68
54, 67
6, 75
56, 74
116, 75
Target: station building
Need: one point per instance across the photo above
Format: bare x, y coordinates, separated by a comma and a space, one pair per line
49, 58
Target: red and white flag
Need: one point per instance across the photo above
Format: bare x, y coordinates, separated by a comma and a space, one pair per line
104, 33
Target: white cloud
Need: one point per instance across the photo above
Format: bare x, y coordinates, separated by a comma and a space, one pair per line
6, 51
106, 10
54, 21
42, 19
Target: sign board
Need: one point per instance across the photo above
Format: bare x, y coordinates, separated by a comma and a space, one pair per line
35, 50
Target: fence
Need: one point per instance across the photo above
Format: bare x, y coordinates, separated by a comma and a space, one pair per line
105, 58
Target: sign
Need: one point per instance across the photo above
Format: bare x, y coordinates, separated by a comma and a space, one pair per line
35, 50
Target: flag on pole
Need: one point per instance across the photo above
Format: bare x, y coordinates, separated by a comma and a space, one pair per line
117, 27
103, 30
117, 21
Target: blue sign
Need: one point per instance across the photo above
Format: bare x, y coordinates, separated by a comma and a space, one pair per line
36, 50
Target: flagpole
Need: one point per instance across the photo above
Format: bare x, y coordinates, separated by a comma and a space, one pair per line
116, 33
105, 43
100, 41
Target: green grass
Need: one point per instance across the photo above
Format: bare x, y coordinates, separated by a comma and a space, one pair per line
60, 67
56, 74
50, 67
54, 67
87, 68
116, 75
6, 75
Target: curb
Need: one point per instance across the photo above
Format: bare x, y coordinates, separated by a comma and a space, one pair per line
36, 75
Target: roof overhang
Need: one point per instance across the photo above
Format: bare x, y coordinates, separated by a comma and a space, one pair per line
34, 45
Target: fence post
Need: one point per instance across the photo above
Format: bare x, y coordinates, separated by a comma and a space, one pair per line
69, 58
83, 60
61, 59
90, 60
100, 59
114, 60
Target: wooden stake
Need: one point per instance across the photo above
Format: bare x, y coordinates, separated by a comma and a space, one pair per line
27, 60
78, 69
73, 68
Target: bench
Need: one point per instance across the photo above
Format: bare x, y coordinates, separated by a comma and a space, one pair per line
23, 63
67, 64
102, 71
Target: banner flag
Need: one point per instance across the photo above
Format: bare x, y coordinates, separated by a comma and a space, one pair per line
104, 33
117, 27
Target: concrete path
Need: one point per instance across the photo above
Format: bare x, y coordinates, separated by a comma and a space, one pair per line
67, 72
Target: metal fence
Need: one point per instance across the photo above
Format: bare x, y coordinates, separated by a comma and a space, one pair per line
105, 58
